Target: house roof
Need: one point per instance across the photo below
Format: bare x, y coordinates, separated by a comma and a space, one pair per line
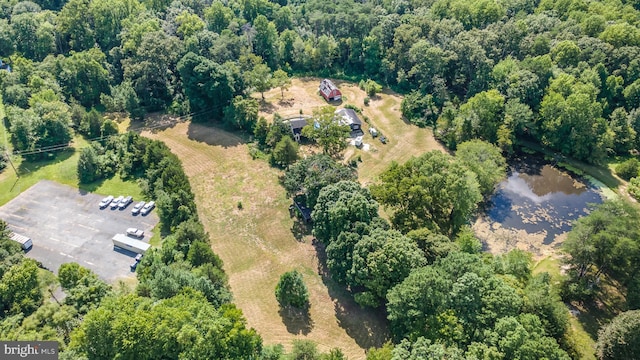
328, 86
4, 66
348, 116
297, 123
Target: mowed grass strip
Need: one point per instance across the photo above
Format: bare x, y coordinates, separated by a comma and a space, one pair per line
257, 244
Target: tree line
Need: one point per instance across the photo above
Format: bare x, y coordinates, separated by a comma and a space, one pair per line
566, 76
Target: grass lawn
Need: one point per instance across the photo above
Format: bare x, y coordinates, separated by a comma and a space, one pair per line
259, 242
60, 168
551, 265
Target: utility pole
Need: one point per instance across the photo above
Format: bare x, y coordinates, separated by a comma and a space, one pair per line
6, 154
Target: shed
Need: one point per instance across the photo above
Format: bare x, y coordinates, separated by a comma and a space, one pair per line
329, 91
349, 117
304, 211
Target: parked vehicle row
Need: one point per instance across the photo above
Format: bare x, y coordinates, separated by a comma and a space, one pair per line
121, 202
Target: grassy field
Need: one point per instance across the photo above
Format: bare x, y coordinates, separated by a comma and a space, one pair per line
260, 241
61, 167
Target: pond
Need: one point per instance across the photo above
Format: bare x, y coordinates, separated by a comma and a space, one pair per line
539, 198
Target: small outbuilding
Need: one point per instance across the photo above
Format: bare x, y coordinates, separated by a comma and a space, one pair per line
349, 117
329, 91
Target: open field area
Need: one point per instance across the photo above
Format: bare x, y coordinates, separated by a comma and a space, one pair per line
66, 225
260, 242
257, 243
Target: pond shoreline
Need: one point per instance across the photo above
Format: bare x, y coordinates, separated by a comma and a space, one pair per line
534, 207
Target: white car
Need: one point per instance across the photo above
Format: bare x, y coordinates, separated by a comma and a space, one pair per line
106, 201
147, 207
135, 232
125, 202
136, 209
116, 202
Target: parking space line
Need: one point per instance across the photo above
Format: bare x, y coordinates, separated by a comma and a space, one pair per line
16, 216
19, 228
63, 242
88, 227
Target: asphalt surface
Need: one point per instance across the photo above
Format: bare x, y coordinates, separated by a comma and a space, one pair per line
67, 225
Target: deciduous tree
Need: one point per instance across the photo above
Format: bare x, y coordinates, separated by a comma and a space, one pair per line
327, 131
292, 291
431, 191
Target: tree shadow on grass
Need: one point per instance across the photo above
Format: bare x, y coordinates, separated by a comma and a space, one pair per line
267, 107
215, 135
155, 122
368, 327
300, 229
45, 159
298, 321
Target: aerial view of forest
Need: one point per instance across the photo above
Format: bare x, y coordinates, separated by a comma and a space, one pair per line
302, 179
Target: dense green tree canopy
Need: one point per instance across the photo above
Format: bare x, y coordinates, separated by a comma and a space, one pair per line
620, 338
432, 191
605, 242
185, 326
339, 207
292, 291
312, 174
327, 131
485, 160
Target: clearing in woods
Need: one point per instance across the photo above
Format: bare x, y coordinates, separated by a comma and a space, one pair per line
258, 241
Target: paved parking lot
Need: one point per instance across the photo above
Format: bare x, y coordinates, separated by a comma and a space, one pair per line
66, 225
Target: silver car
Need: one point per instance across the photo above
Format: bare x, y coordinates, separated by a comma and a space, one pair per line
116, 202
106, 201
135, 232
147, 208
125, 202
136, 209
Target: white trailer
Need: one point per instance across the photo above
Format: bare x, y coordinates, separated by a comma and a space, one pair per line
124, 242
24, 241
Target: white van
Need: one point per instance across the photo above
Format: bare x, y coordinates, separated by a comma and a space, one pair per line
24, 241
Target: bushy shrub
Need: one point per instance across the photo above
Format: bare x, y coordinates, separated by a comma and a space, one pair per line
628, 169
634, 188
